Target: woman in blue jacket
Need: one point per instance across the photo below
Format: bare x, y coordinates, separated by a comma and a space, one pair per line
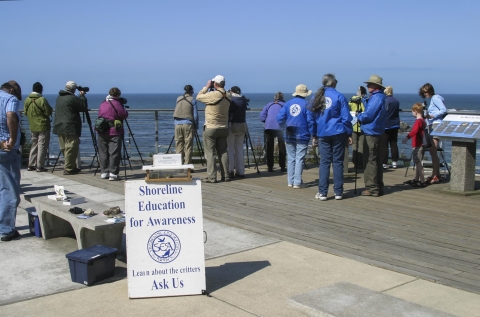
331, 129
298, 121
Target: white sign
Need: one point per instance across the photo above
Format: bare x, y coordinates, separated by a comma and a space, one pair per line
462, 117
164, 228
167, 159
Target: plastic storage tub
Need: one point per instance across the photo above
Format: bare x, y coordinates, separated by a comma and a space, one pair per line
34, 224
91, 265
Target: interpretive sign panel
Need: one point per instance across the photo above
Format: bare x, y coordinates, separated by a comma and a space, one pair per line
459, 126
164, 228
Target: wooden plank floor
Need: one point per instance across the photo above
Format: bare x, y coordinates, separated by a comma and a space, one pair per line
423, 232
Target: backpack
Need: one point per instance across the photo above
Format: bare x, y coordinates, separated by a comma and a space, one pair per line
426, 138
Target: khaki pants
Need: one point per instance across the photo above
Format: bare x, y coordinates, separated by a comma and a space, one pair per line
373, 174
38, 151
184, 134
215, 143
69, 145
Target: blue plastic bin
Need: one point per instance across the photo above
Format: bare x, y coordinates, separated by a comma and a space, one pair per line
91, 265
34, 224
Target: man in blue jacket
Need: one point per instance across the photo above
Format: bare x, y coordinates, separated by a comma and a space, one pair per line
373, 126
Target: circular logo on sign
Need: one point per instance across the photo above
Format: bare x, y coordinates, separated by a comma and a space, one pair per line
328, 102
295, 110
163, 246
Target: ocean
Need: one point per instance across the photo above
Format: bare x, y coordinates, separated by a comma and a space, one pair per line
142, 121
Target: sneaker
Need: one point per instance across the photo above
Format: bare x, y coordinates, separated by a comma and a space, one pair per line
434, 180
283, 170
338, 197
270, 169
369, 193
231, 175
394, 164
31, 168
104, 176
302, 185
42, 169
239, 175
321, 196
16, 234
113, 177
290, 185
385, 166
208, 180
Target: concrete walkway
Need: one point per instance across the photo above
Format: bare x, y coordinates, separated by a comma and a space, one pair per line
248, 274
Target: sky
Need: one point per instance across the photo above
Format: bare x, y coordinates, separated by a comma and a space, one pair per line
159, 46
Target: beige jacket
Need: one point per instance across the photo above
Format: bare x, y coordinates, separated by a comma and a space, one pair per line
216, 113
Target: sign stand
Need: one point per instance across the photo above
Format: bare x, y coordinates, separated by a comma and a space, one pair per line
164, 228
463, 130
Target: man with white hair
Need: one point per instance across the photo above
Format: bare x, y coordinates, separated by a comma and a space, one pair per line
215, 129
68, 125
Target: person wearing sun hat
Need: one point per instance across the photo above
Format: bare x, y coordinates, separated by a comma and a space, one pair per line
298, 121
373, 121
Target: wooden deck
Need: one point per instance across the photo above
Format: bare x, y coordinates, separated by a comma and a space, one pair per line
423, 232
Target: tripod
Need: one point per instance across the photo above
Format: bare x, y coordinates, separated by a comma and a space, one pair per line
86, 114
248, 140
199, 146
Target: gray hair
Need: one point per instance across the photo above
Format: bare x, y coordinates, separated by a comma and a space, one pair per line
318, 103
279, 96
388, 91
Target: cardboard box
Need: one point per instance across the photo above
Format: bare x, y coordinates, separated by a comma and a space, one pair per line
91, 265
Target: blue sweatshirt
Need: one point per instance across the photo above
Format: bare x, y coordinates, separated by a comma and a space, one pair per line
269, 115
335, 119
393, 113
297, 119
373, 118
436, 109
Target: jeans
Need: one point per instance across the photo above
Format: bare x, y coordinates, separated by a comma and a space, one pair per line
215, 143
9, 190
332, 150
296, 158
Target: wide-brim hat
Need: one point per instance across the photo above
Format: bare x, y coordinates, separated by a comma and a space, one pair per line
302, 91
375, 79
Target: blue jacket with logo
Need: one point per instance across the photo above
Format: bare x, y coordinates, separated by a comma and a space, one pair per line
335, 119
297, 119
372, 120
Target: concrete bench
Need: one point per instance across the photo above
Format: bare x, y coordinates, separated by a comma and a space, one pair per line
56, 221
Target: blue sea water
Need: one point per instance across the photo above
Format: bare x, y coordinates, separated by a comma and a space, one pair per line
142, 123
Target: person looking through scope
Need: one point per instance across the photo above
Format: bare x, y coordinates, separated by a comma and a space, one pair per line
186, 123
215, 129
110, 141
237, 128
273, 130
68, 125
